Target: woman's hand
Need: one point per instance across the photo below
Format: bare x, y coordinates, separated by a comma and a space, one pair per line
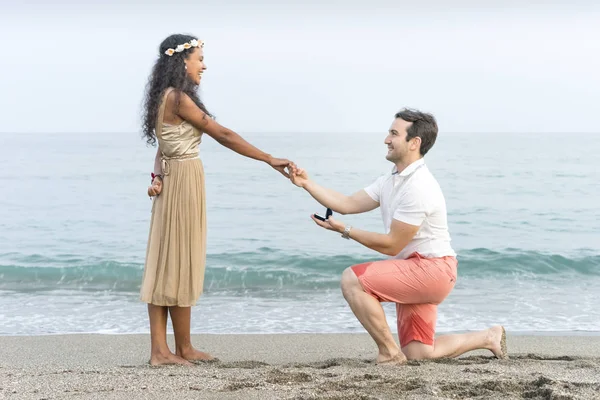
280, 164
156, 187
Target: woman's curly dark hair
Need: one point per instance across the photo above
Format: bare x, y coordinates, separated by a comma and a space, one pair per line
168, 71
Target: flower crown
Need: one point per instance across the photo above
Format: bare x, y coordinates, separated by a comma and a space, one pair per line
185, 46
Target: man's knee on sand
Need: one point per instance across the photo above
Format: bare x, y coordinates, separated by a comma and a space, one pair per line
416, 350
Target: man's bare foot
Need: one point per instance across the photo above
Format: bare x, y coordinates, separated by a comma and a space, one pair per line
168, 359
192, 354
497, 342
397, 359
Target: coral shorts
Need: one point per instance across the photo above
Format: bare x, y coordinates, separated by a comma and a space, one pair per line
417, 285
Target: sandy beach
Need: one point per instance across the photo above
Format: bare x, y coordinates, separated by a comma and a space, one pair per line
299, 367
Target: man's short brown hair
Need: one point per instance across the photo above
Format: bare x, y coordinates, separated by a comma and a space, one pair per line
423, 125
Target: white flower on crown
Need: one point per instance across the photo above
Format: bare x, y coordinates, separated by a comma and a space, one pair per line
185, 46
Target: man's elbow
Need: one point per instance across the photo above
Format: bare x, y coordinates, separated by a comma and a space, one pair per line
392, 249
390, 252
386, 252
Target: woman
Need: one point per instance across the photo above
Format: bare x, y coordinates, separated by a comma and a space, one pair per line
176, 252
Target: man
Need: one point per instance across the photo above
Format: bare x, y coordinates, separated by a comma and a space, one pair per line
422, 268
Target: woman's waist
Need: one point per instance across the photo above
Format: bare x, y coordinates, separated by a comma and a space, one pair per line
166, 162
179, 157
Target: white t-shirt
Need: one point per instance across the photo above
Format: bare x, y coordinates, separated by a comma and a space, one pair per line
413, 196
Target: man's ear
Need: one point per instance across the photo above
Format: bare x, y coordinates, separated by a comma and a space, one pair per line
415, 143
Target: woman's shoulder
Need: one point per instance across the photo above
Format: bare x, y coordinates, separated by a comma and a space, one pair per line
174, 95
170, 105
174, 100
169, 93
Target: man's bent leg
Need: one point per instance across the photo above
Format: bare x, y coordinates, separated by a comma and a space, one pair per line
416, 322
369, 312
493, 339
416, 329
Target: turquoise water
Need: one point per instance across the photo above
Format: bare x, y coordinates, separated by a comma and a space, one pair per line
523, 213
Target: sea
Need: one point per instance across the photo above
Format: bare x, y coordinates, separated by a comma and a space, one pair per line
523, 210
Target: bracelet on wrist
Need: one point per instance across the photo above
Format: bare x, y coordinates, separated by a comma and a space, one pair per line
153, 175
346, 232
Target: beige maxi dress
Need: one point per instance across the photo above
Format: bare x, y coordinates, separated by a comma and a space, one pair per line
176, 252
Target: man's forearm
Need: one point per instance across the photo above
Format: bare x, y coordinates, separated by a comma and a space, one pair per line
327, 197
375, 241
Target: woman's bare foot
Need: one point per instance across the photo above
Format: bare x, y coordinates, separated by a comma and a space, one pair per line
497, 342
192, 354
397, 359
168, 359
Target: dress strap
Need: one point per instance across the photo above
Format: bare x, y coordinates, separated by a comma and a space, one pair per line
161, 113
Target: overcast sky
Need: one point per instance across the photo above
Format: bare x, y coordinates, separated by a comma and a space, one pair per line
291, 67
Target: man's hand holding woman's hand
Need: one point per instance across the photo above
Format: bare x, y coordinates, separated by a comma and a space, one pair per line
298, 176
